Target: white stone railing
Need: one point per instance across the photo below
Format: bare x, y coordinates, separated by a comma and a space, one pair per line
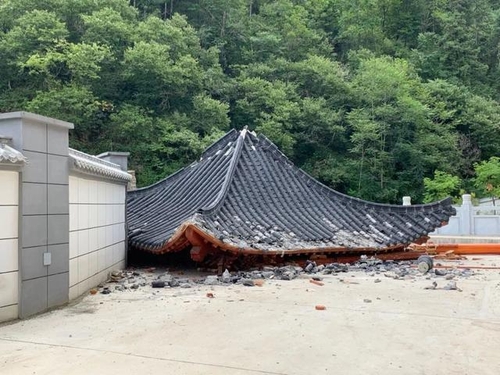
472, 220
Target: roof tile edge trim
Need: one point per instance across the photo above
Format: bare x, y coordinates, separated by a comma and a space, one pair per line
179, 238
92, 165
9, 154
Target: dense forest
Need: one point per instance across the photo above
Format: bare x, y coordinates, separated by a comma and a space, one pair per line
375, 98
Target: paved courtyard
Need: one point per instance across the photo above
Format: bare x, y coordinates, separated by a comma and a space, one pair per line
388, 327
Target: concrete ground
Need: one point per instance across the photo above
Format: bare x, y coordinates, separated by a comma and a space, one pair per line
273, 329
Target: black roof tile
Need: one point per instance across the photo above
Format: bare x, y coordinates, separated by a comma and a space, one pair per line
247, 193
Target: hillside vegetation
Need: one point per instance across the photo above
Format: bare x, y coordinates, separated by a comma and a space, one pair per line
369, 96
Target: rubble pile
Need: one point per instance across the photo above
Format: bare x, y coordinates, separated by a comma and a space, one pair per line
130, 280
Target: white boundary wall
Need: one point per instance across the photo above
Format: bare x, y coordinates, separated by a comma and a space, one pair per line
97, 238
472, 220
9, 256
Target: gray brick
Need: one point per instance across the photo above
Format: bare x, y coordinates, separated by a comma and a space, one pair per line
34, 199
58, 169
36, 168
58, 229
57, 141
33, 297
58, 289
32, 263
34, 136
58, 202
60, 258
34, 231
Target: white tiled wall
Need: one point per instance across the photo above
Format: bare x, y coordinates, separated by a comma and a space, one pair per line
9, 268
97, 232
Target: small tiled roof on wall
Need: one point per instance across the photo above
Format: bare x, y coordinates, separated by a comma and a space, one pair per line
8, 154
92, 165
245, 196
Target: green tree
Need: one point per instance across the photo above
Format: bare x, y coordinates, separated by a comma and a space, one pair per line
488, 177
442, 185
370, 96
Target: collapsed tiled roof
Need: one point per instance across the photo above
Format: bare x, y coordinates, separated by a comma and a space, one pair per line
245, 196
8, 154
92, 165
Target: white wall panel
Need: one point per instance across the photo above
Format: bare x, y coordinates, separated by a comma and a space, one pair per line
83, 267
83, 242
93, 191
9, 312
109, 256
83, 191
109, 193
97, 240
8, 288
73, 272
9, 225
84, 286
83, 216
9, 245
101, 237
93, 262
73, 189
109, 235
9, 181
93, 233
8, 255
101, 259
73, 245
73, 292
93, 215
73, 217
121, 195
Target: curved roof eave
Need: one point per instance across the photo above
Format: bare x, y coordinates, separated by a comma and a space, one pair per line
243, 185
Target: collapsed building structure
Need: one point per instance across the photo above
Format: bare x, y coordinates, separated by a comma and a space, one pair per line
243, 197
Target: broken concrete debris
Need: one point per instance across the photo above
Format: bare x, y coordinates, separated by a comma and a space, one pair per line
158, 284
130, 280
433, 286
211, 280
226, 277
440, 272
452, 285
248, 282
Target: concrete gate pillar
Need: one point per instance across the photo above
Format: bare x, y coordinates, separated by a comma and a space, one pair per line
44, 209
467, 222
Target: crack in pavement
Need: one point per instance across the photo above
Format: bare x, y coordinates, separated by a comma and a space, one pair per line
143, 356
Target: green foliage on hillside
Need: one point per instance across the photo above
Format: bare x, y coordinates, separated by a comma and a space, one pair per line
370, 96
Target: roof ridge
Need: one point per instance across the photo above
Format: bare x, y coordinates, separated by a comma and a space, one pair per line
228, 179
209, 151
217, 145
